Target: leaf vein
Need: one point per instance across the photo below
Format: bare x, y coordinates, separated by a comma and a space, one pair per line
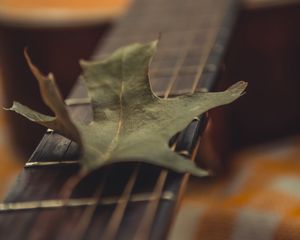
115, 139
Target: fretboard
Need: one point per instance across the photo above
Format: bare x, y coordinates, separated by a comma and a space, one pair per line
125, 201
192, 39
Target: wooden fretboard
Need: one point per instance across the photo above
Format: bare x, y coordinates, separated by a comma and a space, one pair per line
125, 201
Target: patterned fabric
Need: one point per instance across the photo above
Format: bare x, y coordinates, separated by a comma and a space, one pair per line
259, 200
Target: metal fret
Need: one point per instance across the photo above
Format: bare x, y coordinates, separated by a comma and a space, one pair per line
80, 202
207, 49
173, 53
50, 163
179, 64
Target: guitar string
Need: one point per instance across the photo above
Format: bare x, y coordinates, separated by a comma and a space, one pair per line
149, 214
89, 212
144, 228
196, 85
119, 210
179, 64
207, 48
70, 184
124, 198
118, 213
184, 181
151, 208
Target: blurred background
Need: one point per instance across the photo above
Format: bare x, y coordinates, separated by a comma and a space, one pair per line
262, 127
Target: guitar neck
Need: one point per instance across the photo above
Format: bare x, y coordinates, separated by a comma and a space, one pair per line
124, 201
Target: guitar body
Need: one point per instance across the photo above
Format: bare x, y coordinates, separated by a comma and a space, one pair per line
125, 201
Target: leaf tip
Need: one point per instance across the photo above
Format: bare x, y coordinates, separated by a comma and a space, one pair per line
12, 108
27, 57
7, 108
238, 88
34, 69
204, 173
25, 51
154, 43
83, 63
50, 77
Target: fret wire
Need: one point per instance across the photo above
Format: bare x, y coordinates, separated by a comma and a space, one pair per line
178, 65
204, 56
208, 47
164, 48
50, 163
79, 202
39, 157
118, 213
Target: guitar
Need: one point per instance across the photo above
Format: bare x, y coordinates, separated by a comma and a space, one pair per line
125, 201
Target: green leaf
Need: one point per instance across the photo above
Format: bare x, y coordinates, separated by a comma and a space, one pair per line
130, 122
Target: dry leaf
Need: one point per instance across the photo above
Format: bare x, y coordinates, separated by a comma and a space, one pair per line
130, 122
